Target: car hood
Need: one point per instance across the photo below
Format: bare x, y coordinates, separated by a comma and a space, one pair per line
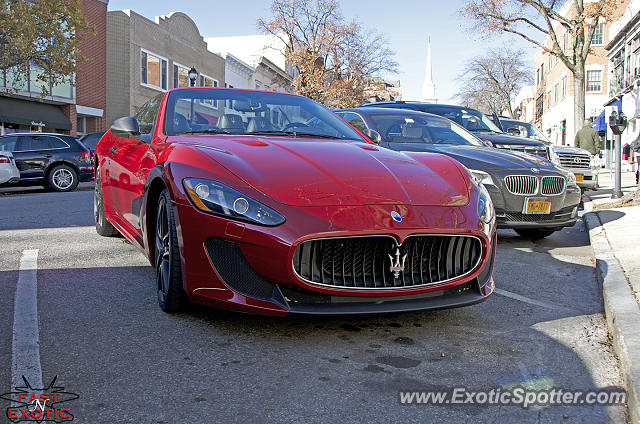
489, 158
570, 149
316, 172
498, 138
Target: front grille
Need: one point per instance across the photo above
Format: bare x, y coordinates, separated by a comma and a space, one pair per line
522, 184
552, 185
575, 160
535, 151
365, 262
562, 214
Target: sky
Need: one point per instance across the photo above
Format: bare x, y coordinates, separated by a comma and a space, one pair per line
407, 25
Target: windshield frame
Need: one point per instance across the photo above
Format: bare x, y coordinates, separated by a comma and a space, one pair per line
268, 103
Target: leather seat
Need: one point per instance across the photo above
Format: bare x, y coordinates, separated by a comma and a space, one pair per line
232, 123
259, 123
180, 124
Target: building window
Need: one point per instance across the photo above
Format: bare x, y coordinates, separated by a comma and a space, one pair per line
598, 35
206, 81
550, 61
555, 93
594, 81
564, 87
537, 76
542, 72
565, 40
549, 99
539, 106
180, 76
153, 70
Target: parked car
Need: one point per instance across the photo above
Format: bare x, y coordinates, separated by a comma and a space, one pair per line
477, 123
519, 128
9, 173
56, 161
90, 140
574, 159
530, 194
244, 206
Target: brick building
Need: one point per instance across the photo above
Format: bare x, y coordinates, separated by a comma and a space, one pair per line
554, 96
75, 107
145, 58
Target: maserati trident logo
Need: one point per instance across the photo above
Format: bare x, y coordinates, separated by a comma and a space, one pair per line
397, 266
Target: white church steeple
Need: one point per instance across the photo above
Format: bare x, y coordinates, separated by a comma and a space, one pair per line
428, 87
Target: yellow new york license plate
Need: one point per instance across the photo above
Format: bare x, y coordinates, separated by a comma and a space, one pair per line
537, 206
579, 177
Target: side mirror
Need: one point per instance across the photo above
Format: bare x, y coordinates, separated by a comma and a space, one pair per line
373, 135
126, 127
514, 131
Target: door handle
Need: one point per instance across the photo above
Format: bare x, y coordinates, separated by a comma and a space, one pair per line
113, 150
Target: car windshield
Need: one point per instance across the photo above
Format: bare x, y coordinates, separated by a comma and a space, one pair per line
470, 119
397, 127
533, 132
240, 112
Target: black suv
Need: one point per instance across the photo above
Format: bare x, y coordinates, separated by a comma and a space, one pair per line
476, 122
56, 161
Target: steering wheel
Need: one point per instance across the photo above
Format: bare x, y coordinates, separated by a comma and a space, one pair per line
295, 124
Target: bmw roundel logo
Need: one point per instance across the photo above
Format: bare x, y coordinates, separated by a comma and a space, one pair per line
535, 170
396, 216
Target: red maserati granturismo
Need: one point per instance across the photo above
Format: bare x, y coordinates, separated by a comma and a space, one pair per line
269, 203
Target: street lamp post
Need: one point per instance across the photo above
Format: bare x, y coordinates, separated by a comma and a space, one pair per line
617, 123
193, 74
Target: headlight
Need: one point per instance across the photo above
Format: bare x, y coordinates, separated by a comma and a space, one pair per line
485, 205
571, 178
555, 158
481, 176
593, 162
218, 199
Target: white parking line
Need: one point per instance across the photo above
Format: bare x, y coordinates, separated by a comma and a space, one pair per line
527, 300
26, 339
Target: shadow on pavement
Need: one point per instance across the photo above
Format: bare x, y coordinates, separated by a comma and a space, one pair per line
608, 215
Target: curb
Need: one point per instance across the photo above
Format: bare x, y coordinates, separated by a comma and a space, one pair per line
621, 310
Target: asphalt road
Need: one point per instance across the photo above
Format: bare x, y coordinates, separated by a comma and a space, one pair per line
102, 333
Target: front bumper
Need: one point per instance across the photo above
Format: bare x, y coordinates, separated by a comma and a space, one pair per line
248, 268
509, 209
589, 178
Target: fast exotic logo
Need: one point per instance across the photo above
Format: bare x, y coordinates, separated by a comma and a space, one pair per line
39, 405
398, 266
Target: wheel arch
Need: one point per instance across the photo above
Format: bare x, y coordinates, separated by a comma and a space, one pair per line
60, 162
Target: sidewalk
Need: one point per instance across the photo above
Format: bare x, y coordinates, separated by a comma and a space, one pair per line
615, 238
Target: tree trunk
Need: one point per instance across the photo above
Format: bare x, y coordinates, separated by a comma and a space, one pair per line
579, 89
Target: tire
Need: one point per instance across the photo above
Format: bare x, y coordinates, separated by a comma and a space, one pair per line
171, 296
534, 233
62, 178
103, 227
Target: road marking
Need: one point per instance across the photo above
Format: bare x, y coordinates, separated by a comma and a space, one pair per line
26, 338
527, 300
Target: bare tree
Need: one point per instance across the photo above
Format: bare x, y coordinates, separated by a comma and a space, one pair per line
331, 57
529, 19
492, 81
41, 38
